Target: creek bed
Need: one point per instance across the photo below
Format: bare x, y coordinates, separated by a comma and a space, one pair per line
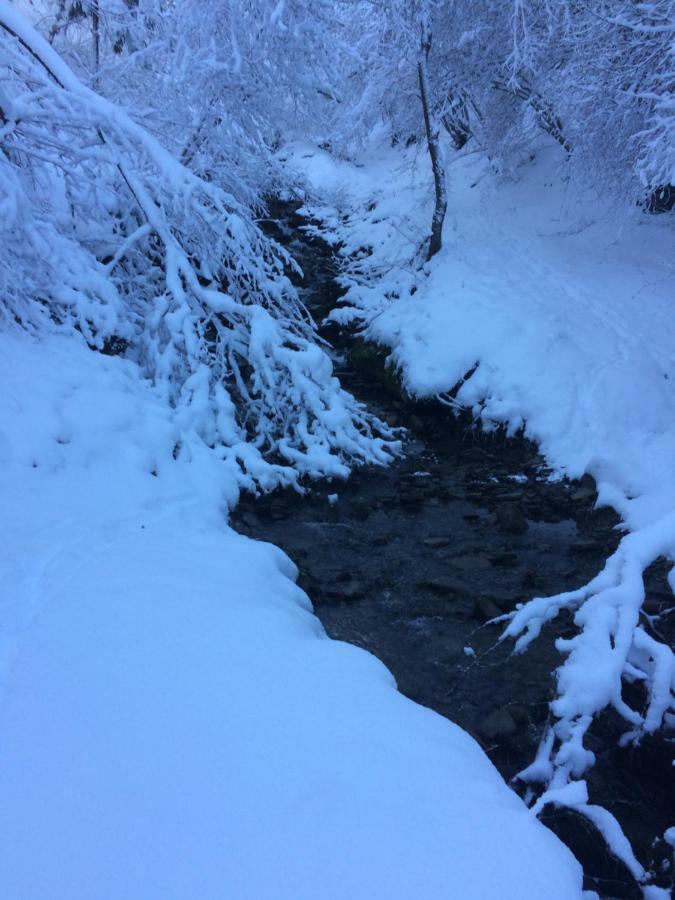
412, 561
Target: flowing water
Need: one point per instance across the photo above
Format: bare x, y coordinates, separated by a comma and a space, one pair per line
413, 560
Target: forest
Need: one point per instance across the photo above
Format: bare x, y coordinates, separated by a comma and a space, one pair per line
337, 442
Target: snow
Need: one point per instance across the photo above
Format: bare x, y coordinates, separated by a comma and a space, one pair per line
175, 723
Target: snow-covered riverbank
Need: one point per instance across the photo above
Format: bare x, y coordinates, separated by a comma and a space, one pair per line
175, 723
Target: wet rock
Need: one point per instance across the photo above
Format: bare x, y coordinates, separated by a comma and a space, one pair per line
347, 591
512, 496
411, 499
520, 713
445, 587
359, 510
498, 724
586, 548
485, 608
436, 542
656, 601
586, 491
511, 518
277, 513
507, 559
581, 495
247, 520
391, 418
472, 518
470, 562
529, 579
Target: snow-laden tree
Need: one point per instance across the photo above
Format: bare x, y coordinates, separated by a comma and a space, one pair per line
106, 234
219, 81
606, 68
597, 78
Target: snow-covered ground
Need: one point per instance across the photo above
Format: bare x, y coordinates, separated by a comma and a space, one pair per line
557, 312
174, 722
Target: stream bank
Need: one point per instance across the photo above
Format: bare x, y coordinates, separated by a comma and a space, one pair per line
412, 561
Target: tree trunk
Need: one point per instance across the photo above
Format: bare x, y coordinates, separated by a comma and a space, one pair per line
432, 131
96, 34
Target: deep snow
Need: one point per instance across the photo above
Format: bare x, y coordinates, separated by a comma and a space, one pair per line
174, 721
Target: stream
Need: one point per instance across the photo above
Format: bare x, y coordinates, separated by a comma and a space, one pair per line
412, 560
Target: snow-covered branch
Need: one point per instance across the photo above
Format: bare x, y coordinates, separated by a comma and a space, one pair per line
135, 247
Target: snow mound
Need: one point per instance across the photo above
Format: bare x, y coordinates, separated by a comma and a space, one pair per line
175, 723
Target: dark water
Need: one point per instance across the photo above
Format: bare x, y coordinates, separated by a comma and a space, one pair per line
411, 562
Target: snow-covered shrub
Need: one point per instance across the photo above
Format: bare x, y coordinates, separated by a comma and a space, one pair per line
107, 234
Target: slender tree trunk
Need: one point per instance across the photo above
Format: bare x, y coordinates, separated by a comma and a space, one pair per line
96, 32
432, 130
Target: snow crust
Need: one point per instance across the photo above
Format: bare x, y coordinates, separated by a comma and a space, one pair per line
174, 721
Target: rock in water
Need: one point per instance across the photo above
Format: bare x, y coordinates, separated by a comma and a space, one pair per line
511, 518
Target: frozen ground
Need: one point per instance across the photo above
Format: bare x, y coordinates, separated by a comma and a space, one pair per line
174, 723
553, 317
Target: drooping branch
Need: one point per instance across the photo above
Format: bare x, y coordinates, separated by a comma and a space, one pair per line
546, 117
190, 284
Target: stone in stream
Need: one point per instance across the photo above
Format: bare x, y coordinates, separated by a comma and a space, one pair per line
471, 518
511, 518
445, 586
586, 548
586, 491
506, 558
469, 562
511, 496
346, 590
436, 542
274, 513
486, 608
498, 724
411, 500
359, 510
582, 494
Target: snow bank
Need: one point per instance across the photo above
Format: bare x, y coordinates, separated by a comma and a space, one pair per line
174, 721
555, 316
